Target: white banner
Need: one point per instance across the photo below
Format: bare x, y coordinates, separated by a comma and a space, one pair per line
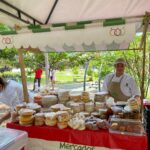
88, 39
39, 144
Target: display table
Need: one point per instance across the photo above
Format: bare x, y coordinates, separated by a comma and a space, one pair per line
52, 138
11, 139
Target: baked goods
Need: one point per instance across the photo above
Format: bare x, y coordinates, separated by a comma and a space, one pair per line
93, 123
19, 106
51, 119
99, 105
75, 97
103, 113
82, 106
14, 117
62, 125
39, 119
85, 97
63, 116
26, 116
34, 106
59, 107
126, 126
63, 96
75, 107
95, 114
49, 100
89, 107
77, 122
133, 104
86, 114
100, 96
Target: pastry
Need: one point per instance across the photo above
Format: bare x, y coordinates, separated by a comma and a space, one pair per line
63, 116
75, 107
114, 126
85, 96
19, 106
63, 96
26, 112
51, 119
75, 97
89, 107
62, 125
49, 100
122, 128
39, 119
34, 106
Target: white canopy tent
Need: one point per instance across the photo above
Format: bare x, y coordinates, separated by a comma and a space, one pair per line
72, 25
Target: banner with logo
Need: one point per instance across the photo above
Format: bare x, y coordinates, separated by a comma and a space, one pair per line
87, 39
39, 144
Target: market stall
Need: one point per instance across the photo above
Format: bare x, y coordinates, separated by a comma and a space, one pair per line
89, 31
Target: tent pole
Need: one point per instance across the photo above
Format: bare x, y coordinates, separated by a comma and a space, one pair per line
46, 68
23, 75
143, 43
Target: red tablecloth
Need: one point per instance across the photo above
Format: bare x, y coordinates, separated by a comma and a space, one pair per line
101, 138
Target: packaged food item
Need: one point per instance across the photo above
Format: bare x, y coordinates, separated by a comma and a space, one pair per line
39, 119
93, 123
34, 106
49, 100
63, 96
63, 116
85, 97
99, 105
19, 106
103, 113
51, 119
77, 122
95, 114
75, 97
82, 106
26, 116
59, 107
126, 126
75, 107
89, 107
62, 125
100, 96
133, 104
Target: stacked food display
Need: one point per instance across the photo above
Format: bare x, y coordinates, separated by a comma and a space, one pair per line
79, 112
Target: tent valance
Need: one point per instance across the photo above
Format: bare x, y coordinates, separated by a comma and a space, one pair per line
90, 38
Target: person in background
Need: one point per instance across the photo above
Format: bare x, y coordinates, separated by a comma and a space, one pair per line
11, 94
52, 78
120, 85
38, 74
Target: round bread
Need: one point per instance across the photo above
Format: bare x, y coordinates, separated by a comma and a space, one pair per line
62, 125
39, 123
26, 122
89, 107
19, 106
129, 128
122, 128
114, 126
50, 122
26, 112
63, 116
52, 116
25, 118
75, 97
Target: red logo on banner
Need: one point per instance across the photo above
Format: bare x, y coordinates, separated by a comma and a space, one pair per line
117, 31
7, 40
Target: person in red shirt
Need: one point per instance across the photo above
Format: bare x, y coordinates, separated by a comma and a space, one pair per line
37, 78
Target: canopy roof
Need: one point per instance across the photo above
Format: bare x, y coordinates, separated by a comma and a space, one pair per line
74, 25
64, 11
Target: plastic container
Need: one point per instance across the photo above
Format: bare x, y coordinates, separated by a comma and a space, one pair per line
126, 126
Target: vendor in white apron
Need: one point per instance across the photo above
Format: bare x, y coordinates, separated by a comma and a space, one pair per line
120, 85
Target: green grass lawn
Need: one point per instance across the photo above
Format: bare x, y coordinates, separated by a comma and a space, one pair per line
62, 77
